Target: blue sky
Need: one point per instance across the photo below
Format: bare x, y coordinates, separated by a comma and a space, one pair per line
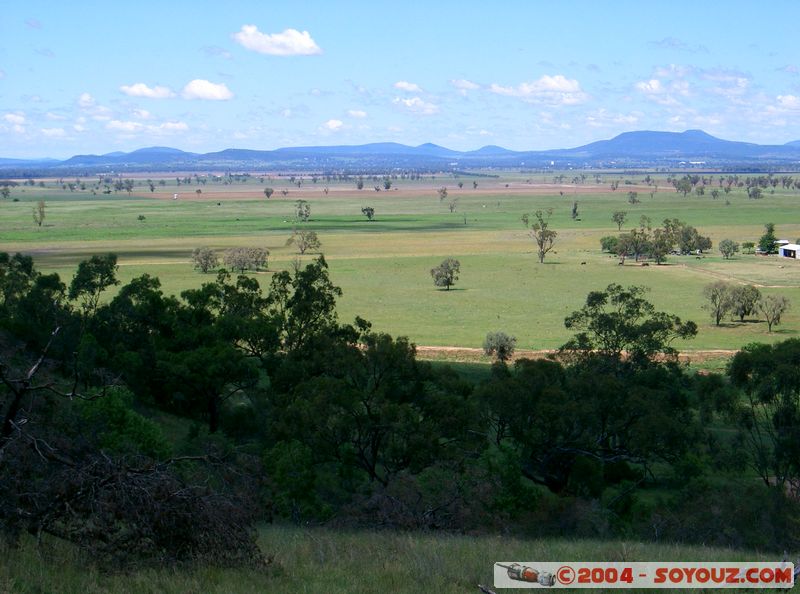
96, 77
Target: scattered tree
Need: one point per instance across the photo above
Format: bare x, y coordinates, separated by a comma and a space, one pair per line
620, 326
304, 240
540, 231
772, 307
767, 243
500, 345
453, 204
368, 212
718, 300
633, 197
38, 213
246, 258
302, 210
609, 244
748, 247
574, 212
268, 192
442, 193
744, 300
474, 185
5, 191
446, 274
205, 259
728, 248
619, 218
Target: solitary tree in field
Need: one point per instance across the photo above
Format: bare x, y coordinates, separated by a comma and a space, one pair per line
633, 197
728, 247
540, 231
453, 204
446, 274
304, 240
5, 192
772, 308
302, 210
499, 344
368, 212
619, 218
442, 193
205, 259
268, 192
574, 210
38, 213
474, 185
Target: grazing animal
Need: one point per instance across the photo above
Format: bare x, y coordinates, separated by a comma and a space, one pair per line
645, 264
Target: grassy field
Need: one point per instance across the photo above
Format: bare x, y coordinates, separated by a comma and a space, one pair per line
383, 265
318, 560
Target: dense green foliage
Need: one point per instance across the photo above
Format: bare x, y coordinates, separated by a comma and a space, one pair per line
325, 421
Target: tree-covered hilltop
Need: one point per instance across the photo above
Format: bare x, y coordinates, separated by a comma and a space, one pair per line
154, 428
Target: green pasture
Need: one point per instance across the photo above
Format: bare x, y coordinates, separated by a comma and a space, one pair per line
320, 560
383, 265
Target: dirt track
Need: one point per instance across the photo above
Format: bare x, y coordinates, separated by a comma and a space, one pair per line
454, 353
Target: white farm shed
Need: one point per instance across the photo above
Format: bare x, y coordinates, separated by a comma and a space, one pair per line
789, 250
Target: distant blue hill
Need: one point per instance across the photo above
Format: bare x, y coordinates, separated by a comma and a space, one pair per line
639, 147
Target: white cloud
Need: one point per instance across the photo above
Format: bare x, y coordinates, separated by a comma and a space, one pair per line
171, 127
789, 101
17, 118
289, 43
86, 100
130, 127
650, 87
54, 132
332, 125
464, 85
89, 105
121, 126
78, 127
54, 116
416, 105
404, 85
550, 90
601, 118
656, 91
203, 89
142, 90
356, 113
142, 114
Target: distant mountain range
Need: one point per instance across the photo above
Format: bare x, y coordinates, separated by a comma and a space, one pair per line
641, 148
